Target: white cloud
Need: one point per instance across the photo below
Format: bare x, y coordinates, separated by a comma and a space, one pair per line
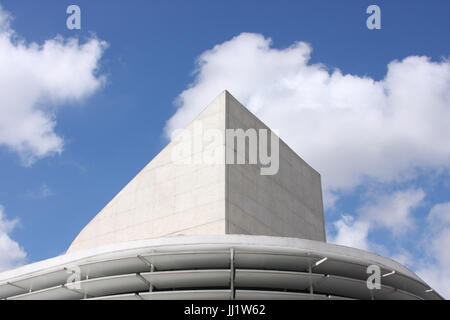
440, 215
392, 210
11, 254
404, 257
437, 278
351, 233
34, 80
435, 265
346, 126
389, 211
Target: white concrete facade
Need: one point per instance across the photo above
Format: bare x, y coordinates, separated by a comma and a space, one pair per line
287, 204
170, 198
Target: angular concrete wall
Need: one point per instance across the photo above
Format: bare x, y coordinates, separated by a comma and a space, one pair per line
175, 196
287, 204
167, 197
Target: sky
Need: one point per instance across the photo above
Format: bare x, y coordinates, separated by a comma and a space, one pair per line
82, 111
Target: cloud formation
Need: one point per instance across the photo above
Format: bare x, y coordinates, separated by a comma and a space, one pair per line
11, 254
34, 80
348, 127
388, 211
393, 211
435, 266
351, 233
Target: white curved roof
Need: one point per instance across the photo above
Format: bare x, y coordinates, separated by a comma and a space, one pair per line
220, 267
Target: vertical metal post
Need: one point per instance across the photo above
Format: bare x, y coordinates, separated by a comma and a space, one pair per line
152, 269
311, 290
232, 273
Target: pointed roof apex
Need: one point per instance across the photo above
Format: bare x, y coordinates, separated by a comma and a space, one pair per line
189, 188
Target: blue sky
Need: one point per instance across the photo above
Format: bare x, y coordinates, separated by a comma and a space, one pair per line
106, 129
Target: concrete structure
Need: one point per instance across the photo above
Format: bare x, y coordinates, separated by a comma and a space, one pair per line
169, 197
213, 267
196, 230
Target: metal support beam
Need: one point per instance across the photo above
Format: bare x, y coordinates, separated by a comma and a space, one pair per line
320, 261
150, 287
17, 286
152, 269
311, 289
147, 263
388, 274
232, 273
82, 294
139, 296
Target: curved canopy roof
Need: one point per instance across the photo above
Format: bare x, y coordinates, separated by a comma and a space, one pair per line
221, 267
